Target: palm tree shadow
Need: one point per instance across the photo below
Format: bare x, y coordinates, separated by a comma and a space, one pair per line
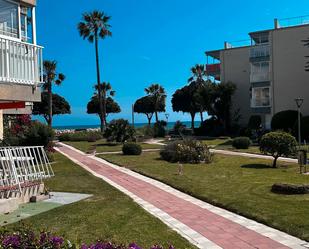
107, 144
256, 166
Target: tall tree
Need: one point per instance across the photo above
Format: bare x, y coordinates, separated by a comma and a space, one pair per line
158, 93
198, 81
146, 105
221, 106
94, 25
59, 106
183, 101
51, 76
93, 107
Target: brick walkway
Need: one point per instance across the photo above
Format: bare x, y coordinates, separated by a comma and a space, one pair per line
202, 224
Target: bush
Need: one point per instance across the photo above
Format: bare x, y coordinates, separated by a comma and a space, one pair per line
304, 128
255, 122
278, 144
178, 128
159, 129
241, 142
26, 238
186, 151
120, 131
290, 189
210, 127
284, 120
131, 149
38, 134
89, 136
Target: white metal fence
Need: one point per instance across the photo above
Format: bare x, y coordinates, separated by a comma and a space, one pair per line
20, 62
22, 166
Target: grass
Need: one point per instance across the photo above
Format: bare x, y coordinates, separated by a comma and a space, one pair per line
226, 144
239, 184
103, 146
108, 215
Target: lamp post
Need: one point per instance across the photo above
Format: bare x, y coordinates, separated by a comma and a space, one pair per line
167, 116
299, 102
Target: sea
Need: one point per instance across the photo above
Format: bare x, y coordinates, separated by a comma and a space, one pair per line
78, 127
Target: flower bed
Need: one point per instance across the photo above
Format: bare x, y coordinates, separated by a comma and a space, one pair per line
26, 238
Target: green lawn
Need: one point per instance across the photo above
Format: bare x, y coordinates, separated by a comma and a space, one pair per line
103, 146
226, 144
108, 215
239, 184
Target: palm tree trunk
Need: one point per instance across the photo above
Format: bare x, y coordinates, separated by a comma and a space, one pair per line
101, 114
157, 118
202, 118
50, 104
192, 121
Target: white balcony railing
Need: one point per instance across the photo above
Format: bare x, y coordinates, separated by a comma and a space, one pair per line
21, 167
260, 51
259, 77
260, 102
20, 62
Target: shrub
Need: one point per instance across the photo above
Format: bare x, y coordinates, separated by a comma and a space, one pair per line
210, 127
241, 142
284, 120
304, 128
255, 122
89, 136
120, 131
278, 144
186, 151
38, 134
178, 127
290, 189
26, 238
131, 149
159, 129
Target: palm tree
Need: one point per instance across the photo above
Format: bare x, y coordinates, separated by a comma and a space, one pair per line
198, 81
51, 76
106, 89
158, 92
94, 25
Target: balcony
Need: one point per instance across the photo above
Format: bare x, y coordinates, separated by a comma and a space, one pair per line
260, 102
20, 62
260, 53
259, 77
214, 70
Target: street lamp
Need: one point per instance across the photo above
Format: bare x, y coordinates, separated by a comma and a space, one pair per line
299, 102
167, 116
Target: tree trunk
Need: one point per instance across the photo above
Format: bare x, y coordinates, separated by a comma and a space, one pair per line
50, 104
149, 117
275, 162
192, 121
157, 118
201, 114
101, 114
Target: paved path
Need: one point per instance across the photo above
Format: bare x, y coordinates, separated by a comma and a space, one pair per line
202, 224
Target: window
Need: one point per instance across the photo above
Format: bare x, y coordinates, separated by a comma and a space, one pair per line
261, 97
8, 18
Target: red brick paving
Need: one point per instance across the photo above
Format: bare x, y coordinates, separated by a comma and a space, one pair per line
221, 231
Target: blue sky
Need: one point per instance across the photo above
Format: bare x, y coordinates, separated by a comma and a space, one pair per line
153, 41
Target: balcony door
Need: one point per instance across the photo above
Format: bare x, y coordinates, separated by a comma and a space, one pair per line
9, 19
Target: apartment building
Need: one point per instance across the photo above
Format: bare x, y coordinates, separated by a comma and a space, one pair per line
269, 70
22, 169
20, 58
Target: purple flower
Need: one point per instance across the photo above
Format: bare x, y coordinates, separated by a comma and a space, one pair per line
134, 246
156, 247
56, 241
12, 241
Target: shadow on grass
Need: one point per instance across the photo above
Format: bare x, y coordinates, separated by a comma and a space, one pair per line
107, 144
256, 166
